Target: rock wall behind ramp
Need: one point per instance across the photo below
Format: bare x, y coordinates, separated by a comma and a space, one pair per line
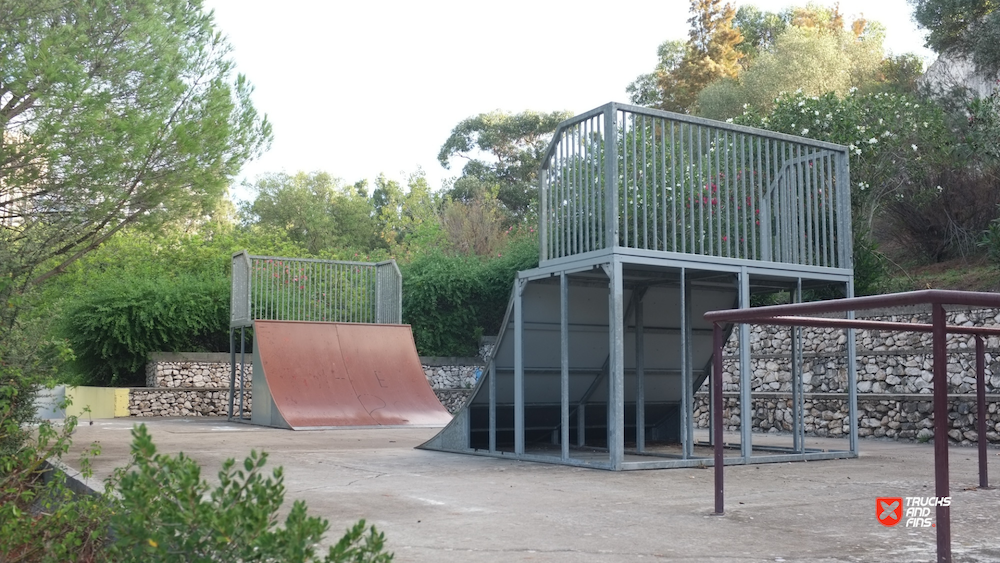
340, 374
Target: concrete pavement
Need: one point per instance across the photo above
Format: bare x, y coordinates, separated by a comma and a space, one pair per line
437, 507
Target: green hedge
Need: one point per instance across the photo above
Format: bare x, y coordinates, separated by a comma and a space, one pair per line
113, 327
451, 301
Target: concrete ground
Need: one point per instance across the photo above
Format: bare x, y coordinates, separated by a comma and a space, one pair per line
439, 507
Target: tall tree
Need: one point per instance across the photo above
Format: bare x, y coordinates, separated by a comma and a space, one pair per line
965, 27
113, 113
515, 144
315, 210
711, 54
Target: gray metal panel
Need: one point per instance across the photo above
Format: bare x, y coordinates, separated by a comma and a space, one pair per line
264, 412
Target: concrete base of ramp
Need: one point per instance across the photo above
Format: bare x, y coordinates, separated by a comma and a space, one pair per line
317, 375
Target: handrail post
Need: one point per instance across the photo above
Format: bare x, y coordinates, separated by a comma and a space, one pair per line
611, 175
543, 215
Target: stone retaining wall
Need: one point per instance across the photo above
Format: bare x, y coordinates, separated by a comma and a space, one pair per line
880, 416
193, 369
188, 402
197, 384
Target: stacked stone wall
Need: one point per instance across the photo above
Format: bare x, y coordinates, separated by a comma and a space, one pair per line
895, 375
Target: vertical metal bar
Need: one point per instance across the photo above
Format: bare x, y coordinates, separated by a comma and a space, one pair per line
755, 198
564, 364
716, 207
814, 248
726, 201
493, 401
610, 176
673, 190
742, 202
687, 377
852, 377
701, 198
519, 368
574, 223
981, 413
243, 366
831, 258
232, 370
645, 190
717, 417
844, 243
764, 221
634, 189
659, 184
943, 516
589, 178
746, 388
798, 436
640, 378
616, 370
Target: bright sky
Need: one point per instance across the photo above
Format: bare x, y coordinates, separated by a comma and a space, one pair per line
359, 88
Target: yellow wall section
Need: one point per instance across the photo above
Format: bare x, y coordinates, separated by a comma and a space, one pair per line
121, 402
104, 402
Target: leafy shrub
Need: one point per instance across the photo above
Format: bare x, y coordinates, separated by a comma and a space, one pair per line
113, 327
451, 301
169, 513
43, 520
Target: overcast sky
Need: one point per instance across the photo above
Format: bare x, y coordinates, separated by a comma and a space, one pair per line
362, 88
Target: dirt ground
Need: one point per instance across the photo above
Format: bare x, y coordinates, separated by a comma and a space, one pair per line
438, 507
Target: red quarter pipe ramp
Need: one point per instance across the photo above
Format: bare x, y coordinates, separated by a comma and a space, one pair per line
316, 375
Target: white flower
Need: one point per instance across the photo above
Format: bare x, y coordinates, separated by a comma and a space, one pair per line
857, 152
829, 116
914, 147
940, 189
730, 120
852, 90
872, 141
802, 103
805, 131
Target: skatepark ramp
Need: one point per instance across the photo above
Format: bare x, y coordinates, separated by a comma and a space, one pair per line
328, 349
315, 375
647, 220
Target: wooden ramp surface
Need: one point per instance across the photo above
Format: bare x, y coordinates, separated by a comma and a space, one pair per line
346, 374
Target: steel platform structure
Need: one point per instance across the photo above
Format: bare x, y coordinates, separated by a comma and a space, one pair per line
647, 220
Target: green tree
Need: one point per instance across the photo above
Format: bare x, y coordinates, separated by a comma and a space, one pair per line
759, 30
645, 90
316, 210
816, 59
966, 27
114, 113
515, 144
710, 54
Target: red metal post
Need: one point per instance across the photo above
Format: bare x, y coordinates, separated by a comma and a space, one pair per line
717, 416
943, 523
981, 415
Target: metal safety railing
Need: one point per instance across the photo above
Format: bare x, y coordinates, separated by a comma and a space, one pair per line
296, 289
627, 176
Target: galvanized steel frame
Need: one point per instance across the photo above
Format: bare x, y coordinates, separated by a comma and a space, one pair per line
800, 314
264, 288
633, 177
300, 289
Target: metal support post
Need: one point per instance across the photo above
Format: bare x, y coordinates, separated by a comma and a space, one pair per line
798, 434
640, 379
943, 516
243, 367
852, 377
616, 370
687, 379
564, 363
519, 369
981, 414
746, 398
493, 402
232, 371
717, 417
